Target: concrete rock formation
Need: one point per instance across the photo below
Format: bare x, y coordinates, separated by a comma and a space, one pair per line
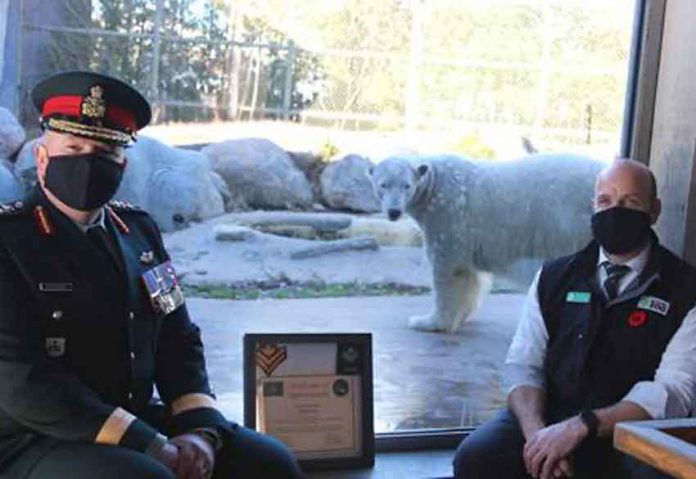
345, 185
174, 185
259, 174
12, 135
10, 187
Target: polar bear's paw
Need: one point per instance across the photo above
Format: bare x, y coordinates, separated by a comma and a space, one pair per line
429, 322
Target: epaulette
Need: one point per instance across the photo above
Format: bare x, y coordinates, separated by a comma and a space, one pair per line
11, 209
119, 205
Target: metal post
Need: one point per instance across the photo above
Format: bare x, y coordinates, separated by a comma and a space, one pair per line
289, 73
18, 111
641, 88
156, 52
414, 65
544, 71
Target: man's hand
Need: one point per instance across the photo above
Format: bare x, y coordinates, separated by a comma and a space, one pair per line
169, 456
546, 453
196, 457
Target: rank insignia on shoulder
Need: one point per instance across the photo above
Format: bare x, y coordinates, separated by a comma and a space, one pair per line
163, 288
55, 347
8, 209
124, 206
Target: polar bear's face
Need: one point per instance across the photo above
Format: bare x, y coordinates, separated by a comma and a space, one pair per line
395, 182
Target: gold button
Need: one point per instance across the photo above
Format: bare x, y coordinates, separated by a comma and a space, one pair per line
131, 315
130, 395
57, 314
132, 355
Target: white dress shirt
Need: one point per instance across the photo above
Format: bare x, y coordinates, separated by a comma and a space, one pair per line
669, 394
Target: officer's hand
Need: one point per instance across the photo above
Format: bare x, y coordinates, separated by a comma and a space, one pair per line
196, 457
545, 452
169, 456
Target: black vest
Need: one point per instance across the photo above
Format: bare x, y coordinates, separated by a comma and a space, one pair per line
597, 350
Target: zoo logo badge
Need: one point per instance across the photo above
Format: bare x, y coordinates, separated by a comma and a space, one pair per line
580, 297
163, 288
55, 347
656, 305
270, 356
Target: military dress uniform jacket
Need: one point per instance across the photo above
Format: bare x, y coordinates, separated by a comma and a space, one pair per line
81, 343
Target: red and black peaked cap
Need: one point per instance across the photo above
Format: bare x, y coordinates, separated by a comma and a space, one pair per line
91, 105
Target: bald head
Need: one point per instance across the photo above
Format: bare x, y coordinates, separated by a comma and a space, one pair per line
628, 184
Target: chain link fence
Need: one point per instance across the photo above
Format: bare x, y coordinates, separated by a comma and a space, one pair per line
549, 78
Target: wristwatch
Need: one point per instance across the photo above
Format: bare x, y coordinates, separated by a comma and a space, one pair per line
211, 435
590, 419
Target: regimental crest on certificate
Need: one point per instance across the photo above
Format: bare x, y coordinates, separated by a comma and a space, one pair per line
314, 393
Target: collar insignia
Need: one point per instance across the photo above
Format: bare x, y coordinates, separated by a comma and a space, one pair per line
43, 221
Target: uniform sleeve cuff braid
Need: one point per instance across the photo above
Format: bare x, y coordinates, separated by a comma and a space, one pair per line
156, 445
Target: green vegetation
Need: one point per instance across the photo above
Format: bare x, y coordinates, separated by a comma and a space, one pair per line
557, 66
474, 147
296, 290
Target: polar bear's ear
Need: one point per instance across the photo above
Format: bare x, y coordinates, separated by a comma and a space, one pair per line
422, 170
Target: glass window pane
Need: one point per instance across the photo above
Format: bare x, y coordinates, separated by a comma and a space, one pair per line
246, 221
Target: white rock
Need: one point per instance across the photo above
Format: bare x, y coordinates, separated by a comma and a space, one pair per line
322, 248
12, 135
345, 184
174, 185
260, 174
25, 166
226, 232
10, 187
404, 232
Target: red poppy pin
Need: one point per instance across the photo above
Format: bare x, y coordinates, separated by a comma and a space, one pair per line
637, 319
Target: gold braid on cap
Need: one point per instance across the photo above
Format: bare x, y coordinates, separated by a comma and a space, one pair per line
97, 132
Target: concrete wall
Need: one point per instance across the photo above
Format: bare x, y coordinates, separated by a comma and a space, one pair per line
674, 130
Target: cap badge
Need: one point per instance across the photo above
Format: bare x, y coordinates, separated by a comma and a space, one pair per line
94, 106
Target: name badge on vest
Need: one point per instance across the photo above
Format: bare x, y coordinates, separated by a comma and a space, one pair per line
656, 305
55, 347
580, 297
162, 287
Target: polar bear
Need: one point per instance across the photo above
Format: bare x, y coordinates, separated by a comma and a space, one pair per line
480, 218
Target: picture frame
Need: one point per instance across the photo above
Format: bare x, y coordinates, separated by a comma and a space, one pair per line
315, 393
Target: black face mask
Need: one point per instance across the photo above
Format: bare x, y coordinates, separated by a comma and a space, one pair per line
620, 230
83, 182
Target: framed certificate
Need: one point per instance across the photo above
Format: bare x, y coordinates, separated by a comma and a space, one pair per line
314, 393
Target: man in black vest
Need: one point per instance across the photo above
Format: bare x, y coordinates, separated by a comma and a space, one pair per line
607, 334
92, 318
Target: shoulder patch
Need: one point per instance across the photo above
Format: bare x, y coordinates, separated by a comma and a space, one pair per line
125, 206
11, 209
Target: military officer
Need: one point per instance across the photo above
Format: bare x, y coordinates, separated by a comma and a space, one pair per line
92, 318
